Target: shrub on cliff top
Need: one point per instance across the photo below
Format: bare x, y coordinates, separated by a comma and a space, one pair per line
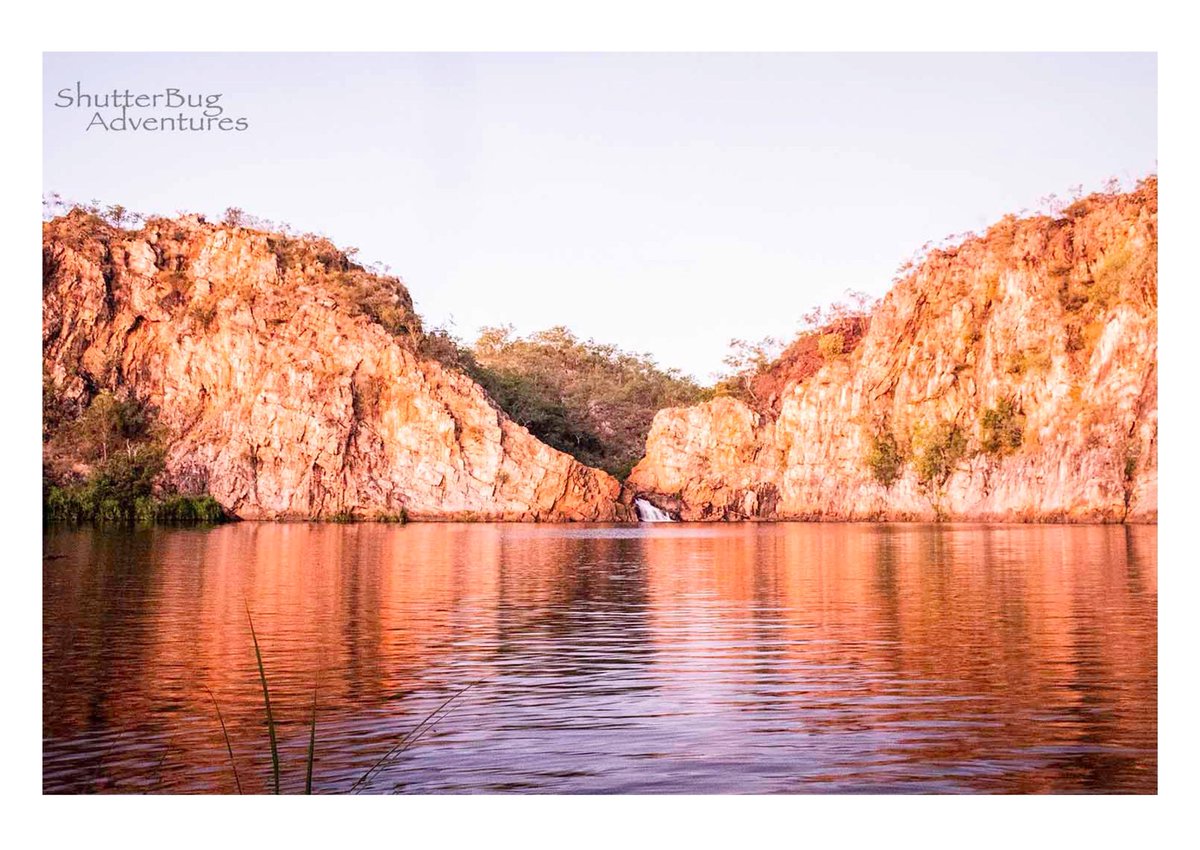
383, 299
757, 373
831, 345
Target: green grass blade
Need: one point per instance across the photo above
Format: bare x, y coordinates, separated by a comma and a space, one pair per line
410, 738
228, 745
312, 746
262, 675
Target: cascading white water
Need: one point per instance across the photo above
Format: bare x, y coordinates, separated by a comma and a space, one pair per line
650, 513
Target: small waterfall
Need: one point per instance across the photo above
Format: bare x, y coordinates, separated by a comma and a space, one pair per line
649, 513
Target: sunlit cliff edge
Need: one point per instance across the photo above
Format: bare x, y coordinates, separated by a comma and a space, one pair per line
1013, 377
277, 392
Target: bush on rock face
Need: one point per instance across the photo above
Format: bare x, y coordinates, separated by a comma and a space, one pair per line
938, 452
1001, 428
885, 459
831, 345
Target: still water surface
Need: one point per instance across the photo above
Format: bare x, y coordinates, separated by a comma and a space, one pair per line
609, 659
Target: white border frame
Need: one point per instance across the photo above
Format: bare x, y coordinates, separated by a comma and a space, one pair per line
587, 822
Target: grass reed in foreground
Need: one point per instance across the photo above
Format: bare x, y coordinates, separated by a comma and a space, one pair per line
312, 746
262, 675
408, 740
228, 746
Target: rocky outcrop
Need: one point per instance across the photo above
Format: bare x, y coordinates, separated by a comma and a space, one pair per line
286, 379
1011, 378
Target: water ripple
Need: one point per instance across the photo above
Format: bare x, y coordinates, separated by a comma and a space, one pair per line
605, 659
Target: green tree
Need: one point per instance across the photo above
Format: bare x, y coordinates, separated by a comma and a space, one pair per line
938, 453
589, 399
885, 459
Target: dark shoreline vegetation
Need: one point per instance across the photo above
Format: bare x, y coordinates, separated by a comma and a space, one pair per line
103, 465
82, 504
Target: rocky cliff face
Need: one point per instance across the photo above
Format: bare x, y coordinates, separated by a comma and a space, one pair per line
1011, 378
284, 380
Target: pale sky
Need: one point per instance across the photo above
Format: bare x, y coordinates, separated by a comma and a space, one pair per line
663, 202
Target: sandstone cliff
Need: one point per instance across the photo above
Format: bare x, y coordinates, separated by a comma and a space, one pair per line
286, 380
1011, 378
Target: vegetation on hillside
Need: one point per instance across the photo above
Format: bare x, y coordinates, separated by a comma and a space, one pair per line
596, 402
758, 372
591, 400
104, 465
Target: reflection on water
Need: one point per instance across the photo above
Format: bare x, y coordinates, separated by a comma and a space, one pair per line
669, 658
